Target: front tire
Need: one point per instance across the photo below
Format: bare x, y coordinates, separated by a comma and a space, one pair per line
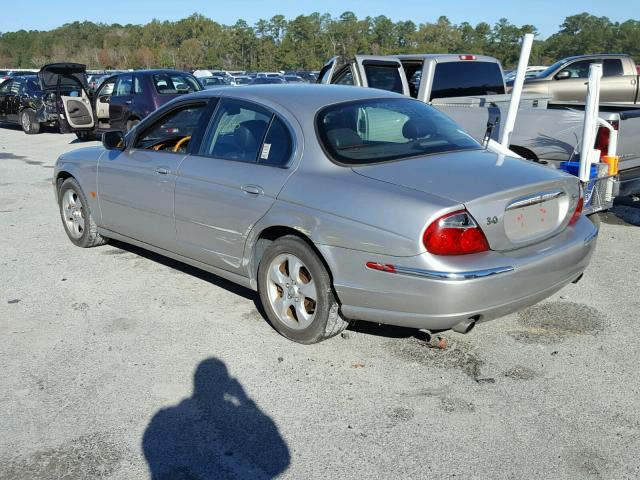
76, 216
28, 122
296, 293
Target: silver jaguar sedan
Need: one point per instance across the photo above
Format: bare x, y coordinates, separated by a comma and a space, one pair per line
335, 204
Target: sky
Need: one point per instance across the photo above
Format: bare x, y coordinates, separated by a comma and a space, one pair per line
546, 15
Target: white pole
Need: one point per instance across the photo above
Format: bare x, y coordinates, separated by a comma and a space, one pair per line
516, 93
591, 112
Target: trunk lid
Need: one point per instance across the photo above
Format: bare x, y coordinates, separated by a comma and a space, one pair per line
514, 201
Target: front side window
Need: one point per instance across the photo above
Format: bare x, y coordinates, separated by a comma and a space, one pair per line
381, 130
238, 131
578, 69
173, 131
5, 87
384, 77
123, 85
174, 83
15, 86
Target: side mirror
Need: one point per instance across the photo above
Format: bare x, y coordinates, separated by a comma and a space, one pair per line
563, 75
113, 140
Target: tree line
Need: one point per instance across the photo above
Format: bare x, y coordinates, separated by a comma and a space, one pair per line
304, 43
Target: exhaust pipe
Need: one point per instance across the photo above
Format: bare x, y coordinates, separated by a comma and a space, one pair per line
466, 325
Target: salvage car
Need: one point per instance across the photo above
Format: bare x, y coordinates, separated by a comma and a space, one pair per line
22, 102
335, 204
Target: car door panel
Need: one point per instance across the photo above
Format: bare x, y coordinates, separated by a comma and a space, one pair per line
4, 95
135, 192
78, 111
217, 202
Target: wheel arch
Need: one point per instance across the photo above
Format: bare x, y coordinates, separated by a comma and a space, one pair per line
268, 234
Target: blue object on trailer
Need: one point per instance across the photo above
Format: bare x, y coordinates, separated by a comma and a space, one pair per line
573, 168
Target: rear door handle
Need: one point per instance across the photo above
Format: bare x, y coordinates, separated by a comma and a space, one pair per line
252, 189
163, 171
128, 102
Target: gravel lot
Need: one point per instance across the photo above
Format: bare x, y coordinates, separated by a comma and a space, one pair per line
118, 363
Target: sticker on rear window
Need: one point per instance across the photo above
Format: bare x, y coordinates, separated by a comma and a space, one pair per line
265, 151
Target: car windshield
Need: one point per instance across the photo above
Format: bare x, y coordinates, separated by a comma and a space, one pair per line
172, 83
380, 130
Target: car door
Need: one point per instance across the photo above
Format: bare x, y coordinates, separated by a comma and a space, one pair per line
615, 86
120, 100
380, 72
13, 100
5, 91
102, 101
231, 183
136, 186
326, 72
574, 86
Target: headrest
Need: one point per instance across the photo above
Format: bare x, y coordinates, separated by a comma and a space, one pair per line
343, 137
418, 128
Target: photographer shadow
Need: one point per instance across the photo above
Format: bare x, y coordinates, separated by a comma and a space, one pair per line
217, 433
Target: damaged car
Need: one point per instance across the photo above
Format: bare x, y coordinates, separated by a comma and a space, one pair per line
24, 103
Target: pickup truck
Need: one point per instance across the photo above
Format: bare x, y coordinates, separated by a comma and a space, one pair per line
566, 80
471, 90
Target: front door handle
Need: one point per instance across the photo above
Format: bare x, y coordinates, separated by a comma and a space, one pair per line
163, 171
252, 189
128, 102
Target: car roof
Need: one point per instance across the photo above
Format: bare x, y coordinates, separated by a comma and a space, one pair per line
300, 97
594, 55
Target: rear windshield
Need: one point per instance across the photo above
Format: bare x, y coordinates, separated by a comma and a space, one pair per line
172, 83
467, 78
381, 130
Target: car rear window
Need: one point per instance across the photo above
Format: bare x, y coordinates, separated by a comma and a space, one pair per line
174, 83
382, 130
467, 78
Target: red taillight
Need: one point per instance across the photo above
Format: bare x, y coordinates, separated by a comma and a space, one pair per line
578, 210
602, 139
467, 57
382, 267
455, 234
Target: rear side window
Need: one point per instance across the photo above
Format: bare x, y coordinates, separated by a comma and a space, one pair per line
173, 83
383, 77
345, 77
612, 67
276, 148
238, 132
467, 78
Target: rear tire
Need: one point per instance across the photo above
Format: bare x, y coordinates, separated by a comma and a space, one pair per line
76, 216
296, 293
28, 121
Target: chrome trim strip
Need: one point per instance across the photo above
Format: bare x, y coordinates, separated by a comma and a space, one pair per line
591, 236
418, 272
535, 199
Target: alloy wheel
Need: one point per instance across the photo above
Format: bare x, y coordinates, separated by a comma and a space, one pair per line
73, 213
292, 291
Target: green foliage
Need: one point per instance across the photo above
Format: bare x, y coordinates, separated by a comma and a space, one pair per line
304, 42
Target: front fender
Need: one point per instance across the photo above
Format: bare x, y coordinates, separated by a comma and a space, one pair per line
85, 173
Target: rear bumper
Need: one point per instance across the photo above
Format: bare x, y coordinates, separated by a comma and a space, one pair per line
628, 182
415, 297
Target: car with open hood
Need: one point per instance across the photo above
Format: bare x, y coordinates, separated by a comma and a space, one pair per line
335, 204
